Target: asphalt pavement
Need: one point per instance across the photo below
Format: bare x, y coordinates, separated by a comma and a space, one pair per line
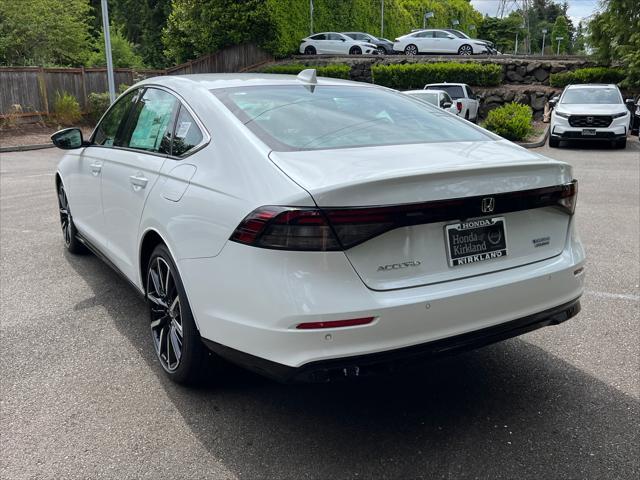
83, 397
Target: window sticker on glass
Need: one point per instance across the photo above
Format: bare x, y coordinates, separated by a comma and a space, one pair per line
183, 129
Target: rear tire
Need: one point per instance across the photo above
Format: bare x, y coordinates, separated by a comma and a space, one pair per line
411, 50
382, 51
355, 51
554, 142
174, 334
309, 50
69, 232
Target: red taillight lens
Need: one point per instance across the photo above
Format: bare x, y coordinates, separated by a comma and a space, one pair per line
286, 229
335, 323
459, 106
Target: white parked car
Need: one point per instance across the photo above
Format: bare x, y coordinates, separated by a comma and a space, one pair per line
317, 228
438, 98
334, 43
465, 101
589, 112
437, 41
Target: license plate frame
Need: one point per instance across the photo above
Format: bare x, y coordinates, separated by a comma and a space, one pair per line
479, 246
589, 132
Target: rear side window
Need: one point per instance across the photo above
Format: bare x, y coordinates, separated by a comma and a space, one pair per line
112, 124
187, 134
424, 35
320, 36
442, 34
151, 122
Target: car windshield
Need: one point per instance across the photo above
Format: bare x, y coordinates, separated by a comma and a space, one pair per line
454, 91
303, 117
593, 95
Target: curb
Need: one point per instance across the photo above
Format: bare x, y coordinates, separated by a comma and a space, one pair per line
538, 143
24, 148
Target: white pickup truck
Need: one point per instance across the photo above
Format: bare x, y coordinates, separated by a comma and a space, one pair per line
465, 101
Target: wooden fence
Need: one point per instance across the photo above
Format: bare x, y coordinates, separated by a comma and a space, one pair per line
32, 89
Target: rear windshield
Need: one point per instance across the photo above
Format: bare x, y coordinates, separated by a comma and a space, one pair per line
454, 91
298, 117
588, 95
431, 97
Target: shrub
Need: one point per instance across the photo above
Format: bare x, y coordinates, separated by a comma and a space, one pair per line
416, 75
66, 108
511, 121
587, 75
99, 102
334, 71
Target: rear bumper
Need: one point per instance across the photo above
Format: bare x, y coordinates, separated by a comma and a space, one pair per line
389, 361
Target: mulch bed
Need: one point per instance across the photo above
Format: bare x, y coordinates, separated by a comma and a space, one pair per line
32, 134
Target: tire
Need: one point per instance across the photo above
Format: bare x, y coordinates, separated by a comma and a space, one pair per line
465, 50
69, 232
382, 51
355, 51
309, 50
621, 143
411, 49
554, 142
466, 115
174, 334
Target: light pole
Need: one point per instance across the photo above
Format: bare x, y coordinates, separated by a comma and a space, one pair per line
310, 17
382, 18
518, 31
455, 23
544, 34
559, 39
424, 19
107, 51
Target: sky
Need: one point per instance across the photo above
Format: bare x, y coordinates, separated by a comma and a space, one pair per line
578, 9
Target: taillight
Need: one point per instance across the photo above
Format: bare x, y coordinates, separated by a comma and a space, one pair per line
340, 228
286, 229
459, 106
352, 322
569, 197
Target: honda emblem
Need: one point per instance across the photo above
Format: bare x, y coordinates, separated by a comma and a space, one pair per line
488, 204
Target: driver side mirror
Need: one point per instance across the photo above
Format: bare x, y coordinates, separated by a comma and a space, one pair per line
68, 139
344, 40
630, 103
553, 102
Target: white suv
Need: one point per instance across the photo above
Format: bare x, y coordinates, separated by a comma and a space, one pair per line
589, 112
465, 101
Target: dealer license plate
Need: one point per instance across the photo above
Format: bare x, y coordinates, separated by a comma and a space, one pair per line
476, 241
589, 131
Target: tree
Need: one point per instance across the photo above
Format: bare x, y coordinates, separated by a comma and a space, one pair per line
501, 31
44, 32
122, 52
561, 29
579, 41
614, 35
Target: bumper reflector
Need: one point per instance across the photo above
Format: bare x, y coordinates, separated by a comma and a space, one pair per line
335, 323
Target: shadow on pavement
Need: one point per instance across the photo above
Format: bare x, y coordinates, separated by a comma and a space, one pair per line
511, 410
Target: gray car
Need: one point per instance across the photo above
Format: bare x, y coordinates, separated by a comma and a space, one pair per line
384, 46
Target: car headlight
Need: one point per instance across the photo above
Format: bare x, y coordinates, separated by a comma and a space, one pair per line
618, 115
562, 114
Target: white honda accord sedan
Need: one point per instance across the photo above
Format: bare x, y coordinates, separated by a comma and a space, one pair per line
312, 229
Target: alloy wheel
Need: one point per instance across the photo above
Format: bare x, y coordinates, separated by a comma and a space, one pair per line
166, 316
465, 50
65, 215
411, 50
381, 51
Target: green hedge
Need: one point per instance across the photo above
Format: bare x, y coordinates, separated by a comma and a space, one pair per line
416, 75
511, 121
587, 75
334, 71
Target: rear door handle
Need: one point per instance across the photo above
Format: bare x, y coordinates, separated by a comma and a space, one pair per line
138, 181
96, 167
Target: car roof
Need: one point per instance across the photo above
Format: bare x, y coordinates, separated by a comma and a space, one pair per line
425, 91
212, 81
447, 84
592, 85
